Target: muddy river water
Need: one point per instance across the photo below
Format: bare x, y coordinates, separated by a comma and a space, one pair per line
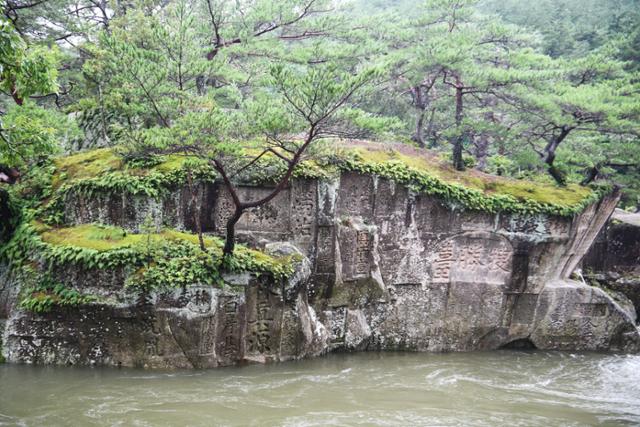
404, 389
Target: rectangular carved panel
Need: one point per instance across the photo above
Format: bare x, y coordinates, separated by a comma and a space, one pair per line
356, 195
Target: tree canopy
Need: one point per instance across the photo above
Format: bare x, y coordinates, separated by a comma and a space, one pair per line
546, 90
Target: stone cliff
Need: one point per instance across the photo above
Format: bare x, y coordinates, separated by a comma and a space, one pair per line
613, 262
378, 265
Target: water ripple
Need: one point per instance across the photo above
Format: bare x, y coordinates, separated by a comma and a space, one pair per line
481, 389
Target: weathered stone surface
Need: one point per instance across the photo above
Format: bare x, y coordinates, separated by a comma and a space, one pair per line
201, 327
378, 268
9, 289
357, 331
574, 316
178, 209
2, 328
617, 247
301, 264
613, 262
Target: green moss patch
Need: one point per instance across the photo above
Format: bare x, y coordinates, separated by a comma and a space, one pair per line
166, 259
88, 236
103, 170
425, 173
96, 163
425, 163
86, 164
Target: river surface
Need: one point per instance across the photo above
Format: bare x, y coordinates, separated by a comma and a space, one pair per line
504, 388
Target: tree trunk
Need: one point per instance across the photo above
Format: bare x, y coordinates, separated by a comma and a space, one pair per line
14, 94
420, 104
429, 132
229, 244
556, 174
198, 220
418, 136
592, 173
201, 85
230, 238
196, 210
549, 155
458, 163
482, 151
484, 142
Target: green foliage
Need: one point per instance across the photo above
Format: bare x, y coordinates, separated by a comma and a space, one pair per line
31, 133
103, 171
69, 246
321, 163
151, 184
47, 295
155, 74
177, 265
569, 27
25, 70
314, 94
158, 260
509, 198
180, 264
500, 165
28, 131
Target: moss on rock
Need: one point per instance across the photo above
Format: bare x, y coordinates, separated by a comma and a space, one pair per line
173, 258
422, 166
102, 238
154, 261
103, 169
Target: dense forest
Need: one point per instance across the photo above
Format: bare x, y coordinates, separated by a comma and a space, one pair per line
546, 90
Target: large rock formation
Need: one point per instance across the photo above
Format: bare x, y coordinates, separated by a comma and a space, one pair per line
617, 247
613, 262
381, 268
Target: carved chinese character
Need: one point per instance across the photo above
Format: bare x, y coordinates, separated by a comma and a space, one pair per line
363, 250
263, 305
303, 210
200, 301
230, 346
499, 259
260, 333
524, 224
472, 255
443, 262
